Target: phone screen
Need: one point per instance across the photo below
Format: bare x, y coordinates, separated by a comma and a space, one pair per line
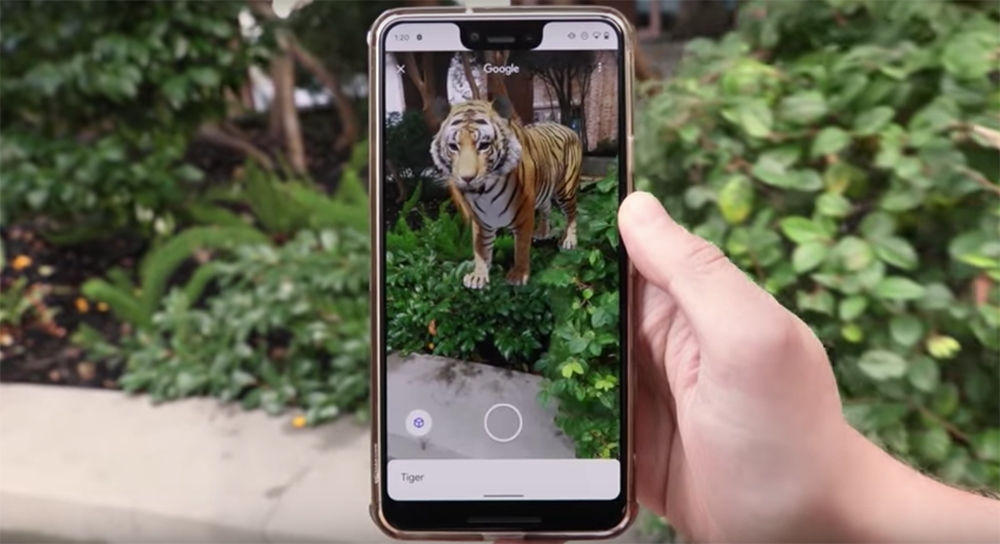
502, 269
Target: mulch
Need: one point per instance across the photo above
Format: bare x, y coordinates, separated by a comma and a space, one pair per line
40, 350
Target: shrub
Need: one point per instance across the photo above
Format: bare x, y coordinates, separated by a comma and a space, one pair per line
100, 99
282, 208
430, 311
835, 150
582, 365
289, 327
407, 144
137, 304
562, 324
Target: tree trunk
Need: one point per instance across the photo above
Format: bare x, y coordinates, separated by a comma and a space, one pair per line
423, 76
521, 89
467, 68
494, 82
283, 117
348, 123
276, 70
284, 79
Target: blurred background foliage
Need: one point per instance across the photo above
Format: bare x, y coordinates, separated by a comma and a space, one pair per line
100, 100
843, 152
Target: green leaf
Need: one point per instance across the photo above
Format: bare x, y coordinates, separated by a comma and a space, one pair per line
833, 205
906, 330
736, 199
805, 180
754, 117
852, 307
801, 230
881, 365
570, 368
988, 445
872, 121
946, 399
895, 251
877, 225
937, 297
809, 255
970, 55
840, 176
771, 170
901, 199
820, 301
697, 196
175, 90
187, 383
897, 288
829, 141
852, 333
924, 374
853, 253
206, 77
943, 347
803, 108
934, 444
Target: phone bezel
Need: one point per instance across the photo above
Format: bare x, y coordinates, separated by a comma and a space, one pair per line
476, 519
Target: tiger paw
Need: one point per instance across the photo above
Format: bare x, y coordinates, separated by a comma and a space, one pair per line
568, 241
543, 233
517, 277
475, 280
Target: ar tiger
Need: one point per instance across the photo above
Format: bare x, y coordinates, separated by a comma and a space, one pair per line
499, 172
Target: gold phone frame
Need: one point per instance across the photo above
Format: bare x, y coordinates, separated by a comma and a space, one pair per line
376, 116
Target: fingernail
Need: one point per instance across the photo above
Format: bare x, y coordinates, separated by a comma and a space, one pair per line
642, 207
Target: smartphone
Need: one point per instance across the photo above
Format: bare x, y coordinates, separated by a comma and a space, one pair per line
501, 376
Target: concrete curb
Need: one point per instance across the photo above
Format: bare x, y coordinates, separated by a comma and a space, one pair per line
82, 465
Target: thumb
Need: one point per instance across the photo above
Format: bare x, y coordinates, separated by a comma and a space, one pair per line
712, 292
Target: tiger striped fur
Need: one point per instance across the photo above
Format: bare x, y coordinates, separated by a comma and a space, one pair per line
499, 172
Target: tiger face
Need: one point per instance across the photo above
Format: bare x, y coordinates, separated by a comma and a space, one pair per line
475, 147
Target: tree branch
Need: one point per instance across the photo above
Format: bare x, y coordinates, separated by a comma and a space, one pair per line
467, 67
980, 179
411, 70
348, 123
216, 134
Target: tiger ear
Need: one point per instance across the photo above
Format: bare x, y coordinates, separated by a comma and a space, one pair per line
503, 107
441, 108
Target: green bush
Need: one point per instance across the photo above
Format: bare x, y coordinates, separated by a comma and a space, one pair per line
289, 327
283, 207
137, 304
566, 316
834, 150
100, 99
582, 365
407, 144
428, 309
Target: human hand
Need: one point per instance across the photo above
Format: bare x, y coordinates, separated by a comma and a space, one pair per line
739, 430
737, 410
739, 433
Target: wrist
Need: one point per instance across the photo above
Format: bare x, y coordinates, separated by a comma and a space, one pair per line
881, 499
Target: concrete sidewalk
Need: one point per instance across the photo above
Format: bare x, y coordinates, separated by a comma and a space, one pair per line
82, 465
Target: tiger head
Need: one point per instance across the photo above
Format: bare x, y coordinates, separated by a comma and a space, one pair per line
475, 146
